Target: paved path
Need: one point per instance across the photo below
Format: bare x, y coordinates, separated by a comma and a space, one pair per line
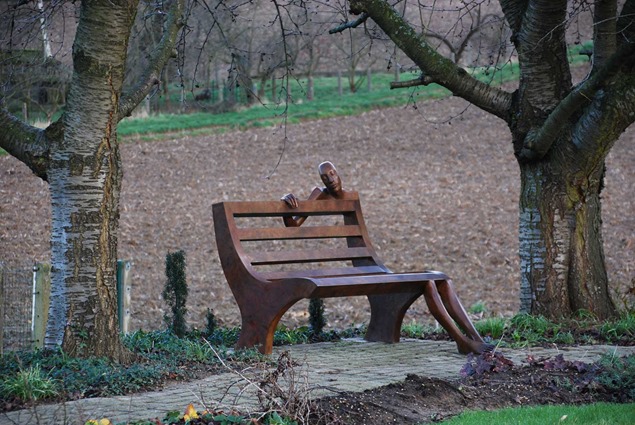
322, 369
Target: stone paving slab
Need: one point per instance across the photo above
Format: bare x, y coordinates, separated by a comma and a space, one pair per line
322, 369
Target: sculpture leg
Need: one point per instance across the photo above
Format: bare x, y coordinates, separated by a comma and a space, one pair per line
386, 315
456, 310
435, 304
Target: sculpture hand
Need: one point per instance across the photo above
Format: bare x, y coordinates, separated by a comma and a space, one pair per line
290, 200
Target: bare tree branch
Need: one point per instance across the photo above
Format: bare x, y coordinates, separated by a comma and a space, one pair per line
626, 23
607, 117
25, 142
538, 142
446, 42
352, 24
514, 11
285, 114
423, 80
162, 53
604, 31
544, 24
439, 68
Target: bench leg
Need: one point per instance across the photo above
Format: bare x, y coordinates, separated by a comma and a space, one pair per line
259, 322
386, 315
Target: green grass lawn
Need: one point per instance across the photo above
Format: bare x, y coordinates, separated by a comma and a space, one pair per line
327, 103
597, 414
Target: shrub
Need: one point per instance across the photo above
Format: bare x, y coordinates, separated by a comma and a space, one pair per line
175, 292
212, 323
317, 320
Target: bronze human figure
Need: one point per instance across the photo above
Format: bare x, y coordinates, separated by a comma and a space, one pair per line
440, 296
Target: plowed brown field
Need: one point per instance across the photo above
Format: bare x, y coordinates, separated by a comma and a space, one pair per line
439, 186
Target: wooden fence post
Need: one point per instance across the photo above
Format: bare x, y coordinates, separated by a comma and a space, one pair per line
41, 301
123, 294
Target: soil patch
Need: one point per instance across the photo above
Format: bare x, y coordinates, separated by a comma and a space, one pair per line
424, 400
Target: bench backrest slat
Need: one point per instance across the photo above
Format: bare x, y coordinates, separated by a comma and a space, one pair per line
339, 271
308, 256
280, 209
304, 232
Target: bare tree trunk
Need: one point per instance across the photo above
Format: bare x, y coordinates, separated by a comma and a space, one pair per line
351, 78
219, 87
261, 88
46, 42
243, 78
274, 88
165, 85
561, 253
310, 91
85, 182
232, 82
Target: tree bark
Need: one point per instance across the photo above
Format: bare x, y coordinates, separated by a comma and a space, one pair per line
561, 252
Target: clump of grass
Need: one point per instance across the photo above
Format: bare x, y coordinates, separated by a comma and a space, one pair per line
478, 307
30, 384
527, 330
624, 327
412, 330
494, 327
292, 336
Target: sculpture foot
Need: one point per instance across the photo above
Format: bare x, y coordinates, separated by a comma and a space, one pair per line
477, 347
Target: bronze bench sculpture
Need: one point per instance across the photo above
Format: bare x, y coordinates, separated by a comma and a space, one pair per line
268, 273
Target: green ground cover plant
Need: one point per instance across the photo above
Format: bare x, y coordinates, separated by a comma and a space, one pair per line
161, 355
51, 375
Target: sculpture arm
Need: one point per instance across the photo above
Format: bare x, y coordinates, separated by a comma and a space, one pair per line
289, 199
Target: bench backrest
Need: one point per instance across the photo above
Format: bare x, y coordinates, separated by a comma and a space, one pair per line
253, 240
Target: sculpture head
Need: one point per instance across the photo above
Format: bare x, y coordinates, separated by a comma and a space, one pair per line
330, 178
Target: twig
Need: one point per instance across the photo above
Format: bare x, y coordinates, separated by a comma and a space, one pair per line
250, 383
423, 80
351, 24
